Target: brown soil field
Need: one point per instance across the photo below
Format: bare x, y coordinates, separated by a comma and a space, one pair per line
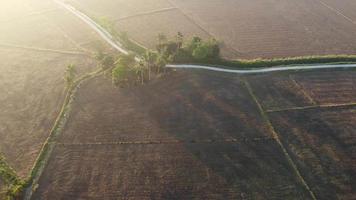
34, 31
279, 91
219, 100
299, 89
35, 48
248, 29
197, 136
322, 142
51, 28
117, 9
168, 22
346, 8
335, 87
31, 95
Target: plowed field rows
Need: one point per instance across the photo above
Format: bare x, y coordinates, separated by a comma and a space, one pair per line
205, 107
198, 135
35, 48
323, 145
248, 29
330, 87
32, 91
279, 91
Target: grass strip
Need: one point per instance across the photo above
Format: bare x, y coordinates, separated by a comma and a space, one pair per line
10, 179
276, 136
265, 63
50, 143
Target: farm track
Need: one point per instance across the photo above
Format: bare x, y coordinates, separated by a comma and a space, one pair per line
263, 112
118, 46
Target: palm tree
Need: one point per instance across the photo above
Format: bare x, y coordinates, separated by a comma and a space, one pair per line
140, 69
180, 39
149, 61
161, 62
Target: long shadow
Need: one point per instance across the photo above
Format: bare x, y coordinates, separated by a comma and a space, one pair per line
218, 124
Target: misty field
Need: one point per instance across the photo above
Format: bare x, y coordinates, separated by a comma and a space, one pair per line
35, 49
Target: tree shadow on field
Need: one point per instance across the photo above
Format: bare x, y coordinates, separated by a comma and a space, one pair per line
219, 125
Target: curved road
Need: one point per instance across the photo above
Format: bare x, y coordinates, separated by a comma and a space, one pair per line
119, 47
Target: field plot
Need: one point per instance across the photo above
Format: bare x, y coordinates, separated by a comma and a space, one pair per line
31, 95
40, 33
15, 10
322, 144
190, 106
38, 40
275, 28
345, 9
279, 91
49, 28
183, 139
117, 9
168, 22
248, 29
335, 87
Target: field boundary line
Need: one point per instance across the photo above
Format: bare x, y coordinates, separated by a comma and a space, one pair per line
49, 145
30, 15
65, 34
301, 88
236, 51
278, 140
105, 35
44, 49
152, 12
169, 142
338, 12
324, 106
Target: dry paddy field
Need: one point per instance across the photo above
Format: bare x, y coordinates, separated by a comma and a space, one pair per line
315, 115
247, 29
200, 135
196, 136
38, 40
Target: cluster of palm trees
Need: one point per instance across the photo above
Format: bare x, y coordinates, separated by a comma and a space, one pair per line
127, 69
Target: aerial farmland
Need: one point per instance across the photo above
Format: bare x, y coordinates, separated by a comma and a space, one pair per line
247, 29
177, 99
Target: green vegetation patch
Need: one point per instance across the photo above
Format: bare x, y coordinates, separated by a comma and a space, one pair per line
8, 176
